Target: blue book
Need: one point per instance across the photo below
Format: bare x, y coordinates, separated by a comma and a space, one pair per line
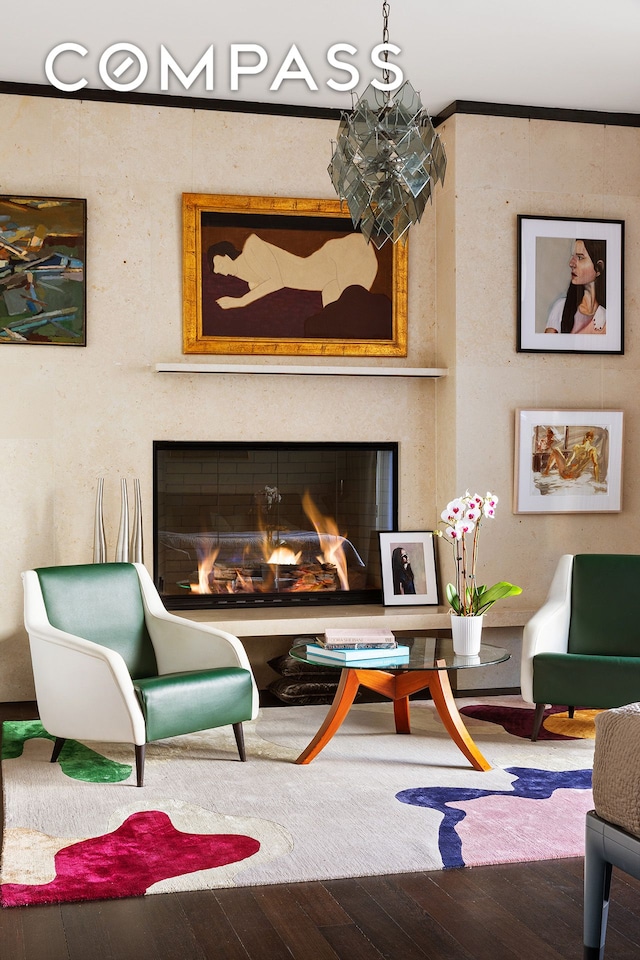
399, 652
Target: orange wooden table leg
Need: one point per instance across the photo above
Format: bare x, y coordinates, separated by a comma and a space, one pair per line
345, 695
401, 715
445, 704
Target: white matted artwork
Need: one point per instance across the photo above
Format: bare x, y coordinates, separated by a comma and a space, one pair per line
568, 461
408, 568
570, 285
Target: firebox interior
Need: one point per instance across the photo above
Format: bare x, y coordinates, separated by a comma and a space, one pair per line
267, 523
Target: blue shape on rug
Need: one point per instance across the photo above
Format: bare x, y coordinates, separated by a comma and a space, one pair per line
530, 783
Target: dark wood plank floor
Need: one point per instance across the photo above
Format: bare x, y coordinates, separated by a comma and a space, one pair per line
530, 911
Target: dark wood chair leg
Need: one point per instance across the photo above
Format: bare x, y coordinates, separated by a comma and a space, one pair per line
140, 764
537, 720
239, 735
571, 711
57, 747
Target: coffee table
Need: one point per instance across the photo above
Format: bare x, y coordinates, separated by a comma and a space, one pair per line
430, 659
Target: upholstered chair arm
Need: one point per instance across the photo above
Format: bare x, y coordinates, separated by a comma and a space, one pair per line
182, 645
548, 630
83, 690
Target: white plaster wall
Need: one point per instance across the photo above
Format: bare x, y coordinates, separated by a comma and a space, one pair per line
501, 168
71, 415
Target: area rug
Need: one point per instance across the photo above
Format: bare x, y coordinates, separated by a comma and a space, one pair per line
373, 802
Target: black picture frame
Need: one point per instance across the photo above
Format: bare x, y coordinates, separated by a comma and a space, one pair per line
547, 282
418, 547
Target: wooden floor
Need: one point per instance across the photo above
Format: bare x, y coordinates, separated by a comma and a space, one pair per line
508, 912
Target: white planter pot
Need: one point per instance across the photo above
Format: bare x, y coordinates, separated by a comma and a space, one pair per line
467, 635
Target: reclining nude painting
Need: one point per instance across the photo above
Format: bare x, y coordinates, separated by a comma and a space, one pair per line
288, 277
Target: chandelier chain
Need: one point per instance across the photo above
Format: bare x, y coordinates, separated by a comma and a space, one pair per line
385, 40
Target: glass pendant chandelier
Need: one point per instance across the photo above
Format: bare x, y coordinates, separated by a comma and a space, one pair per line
387, 159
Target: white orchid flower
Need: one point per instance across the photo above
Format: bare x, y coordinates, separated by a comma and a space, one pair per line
465, 526
489, 505
454, 511
464, 516
453, 533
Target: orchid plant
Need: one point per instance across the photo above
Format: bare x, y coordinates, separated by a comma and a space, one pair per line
463, 518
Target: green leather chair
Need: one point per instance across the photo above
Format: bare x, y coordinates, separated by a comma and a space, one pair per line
111, 664
582, 648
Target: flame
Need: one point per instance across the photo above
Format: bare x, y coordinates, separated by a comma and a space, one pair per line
243, 584
278, 554
285, 556
330, 539
206, 562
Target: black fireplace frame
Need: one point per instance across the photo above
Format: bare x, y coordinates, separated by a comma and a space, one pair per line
192, 601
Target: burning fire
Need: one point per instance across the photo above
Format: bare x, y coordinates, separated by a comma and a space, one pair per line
250, 575
330, 539
285, 557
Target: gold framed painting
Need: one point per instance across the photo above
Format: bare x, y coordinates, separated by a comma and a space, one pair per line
288, 277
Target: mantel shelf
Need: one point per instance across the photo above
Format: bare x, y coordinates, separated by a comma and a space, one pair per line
301, 370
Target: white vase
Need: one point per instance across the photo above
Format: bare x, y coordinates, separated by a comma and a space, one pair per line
467, 635
136, 550
99, 543
122, 546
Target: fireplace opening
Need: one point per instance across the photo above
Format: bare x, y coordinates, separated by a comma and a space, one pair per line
247, 524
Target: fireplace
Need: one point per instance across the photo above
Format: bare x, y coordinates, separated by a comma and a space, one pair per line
248, 524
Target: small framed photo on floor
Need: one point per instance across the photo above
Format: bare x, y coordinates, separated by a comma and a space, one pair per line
408, 561
568, 461
570, 285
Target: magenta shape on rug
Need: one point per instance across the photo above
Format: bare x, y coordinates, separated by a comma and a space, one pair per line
517, 721
145, 849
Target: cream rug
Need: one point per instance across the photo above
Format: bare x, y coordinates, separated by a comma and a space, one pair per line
372, 802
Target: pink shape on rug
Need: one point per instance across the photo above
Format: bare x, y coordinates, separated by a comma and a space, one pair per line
145, 849
503, 829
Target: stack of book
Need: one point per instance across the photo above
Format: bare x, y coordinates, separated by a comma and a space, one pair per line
345, 646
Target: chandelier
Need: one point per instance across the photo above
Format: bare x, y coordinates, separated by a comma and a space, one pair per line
387, 159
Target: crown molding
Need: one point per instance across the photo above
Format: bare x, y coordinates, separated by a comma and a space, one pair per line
469, 107
480, 108
169, 100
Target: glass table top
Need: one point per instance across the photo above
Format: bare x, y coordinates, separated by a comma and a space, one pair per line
424, 654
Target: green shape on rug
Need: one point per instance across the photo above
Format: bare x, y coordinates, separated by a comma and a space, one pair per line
76, 760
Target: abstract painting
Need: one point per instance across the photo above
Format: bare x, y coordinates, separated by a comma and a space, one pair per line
42, 270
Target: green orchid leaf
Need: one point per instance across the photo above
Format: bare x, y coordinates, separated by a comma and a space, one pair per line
498, 592
452, 597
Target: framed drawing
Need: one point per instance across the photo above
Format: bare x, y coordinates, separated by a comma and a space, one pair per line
42, 270
270, 275
570, 285
408, 563
568, 461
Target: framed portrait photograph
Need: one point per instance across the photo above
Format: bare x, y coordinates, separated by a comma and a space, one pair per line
568, 461
42, 270
292, 277
408, 562
570, 285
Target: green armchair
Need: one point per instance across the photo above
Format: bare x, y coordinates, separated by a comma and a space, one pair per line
582, 648
110, 663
